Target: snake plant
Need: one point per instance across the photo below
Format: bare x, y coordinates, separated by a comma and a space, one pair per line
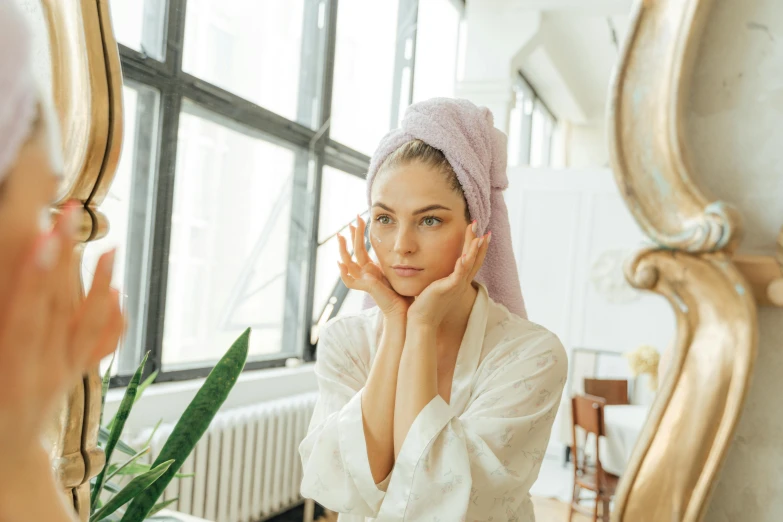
137, 500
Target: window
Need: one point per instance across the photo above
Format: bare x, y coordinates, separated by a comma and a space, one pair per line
437, 37
244, 153
364, 72
139, 24
125, 208
252, 48
541, 135
531, 126
228, 251
343, 196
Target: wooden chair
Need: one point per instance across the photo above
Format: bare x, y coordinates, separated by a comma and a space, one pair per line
587, 412
613, 391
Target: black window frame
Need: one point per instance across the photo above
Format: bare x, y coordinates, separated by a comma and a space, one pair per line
149, 273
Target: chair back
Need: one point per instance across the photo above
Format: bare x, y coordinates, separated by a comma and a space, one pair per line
613, 391
587, 412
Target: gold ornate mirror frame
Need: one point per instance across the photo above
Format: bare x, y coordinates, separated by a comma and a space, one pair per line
676, 460
87, 87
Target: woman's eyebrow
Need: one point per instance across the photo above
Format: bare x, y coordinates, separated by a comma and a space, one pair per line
428, 208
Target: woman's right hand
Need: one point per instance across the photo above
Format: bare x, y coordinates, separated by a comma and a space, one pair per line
365, 275
47, 340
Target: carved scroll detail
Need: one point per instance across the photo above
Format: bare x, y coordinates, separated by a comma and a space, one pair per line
676, 460
87, 85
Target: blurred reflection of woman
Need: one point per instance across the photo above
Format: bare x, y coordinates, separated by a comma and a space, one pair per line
438, 403
46, 344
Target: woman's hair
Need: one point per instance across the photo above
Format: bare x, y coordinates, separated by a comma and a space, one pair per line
417, 151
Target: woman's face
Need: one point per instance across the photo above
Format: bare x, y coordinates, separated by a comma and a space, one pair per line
27, 191
417, 226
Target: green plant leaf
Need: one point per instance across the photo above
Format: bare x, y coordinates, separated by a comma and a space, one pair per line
193, 423
111, 487
103, 438
105, 387
108, 486
162, 505
133, 489
139, 392
122, 469
134, 469
116, 430
154, 431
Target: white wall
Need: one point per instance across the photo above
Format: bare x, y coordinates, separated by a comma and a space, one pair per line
585, 145
735, 138
571, 233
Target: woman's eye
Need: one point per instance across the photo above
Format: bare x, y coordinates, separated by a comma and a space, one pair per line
383, 220
431, 221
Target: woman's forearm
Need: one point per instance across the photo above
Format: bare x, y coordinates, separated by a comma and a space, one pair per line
29, 491
418, 376
379, 396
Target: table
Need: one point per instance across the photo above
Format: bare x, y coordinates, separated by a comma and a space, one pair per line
623, 424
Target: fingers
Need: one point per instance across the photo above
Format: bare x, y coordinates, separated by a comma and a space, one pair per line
26, 320
347, 260
481, 255
112, 333
470, 235
471, 261
62, 280
95, 313
359, 248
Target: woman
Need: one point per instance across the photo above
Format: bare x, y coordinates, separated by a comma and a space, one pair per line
46, 344
438, 403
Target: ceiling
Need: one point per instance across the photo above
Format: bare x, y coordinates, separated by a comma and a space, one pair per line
571, 61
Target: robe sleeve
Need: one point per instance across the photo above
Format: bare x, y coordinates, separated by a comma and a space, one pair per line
336, 468
480, 466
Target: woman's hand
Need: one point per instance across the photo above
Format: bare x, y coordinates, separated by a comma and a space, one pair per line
47, 340
365, 275
434, 302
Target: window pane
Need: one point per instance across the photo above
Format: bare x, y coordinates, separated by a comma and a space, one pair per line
520, 121
363, 72
228, 254
437, 44
541, 138
140, 24
126, 207
257, 49
343, 196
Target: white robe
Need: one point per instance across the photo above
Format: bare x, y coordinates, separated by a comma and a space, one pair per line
473, 459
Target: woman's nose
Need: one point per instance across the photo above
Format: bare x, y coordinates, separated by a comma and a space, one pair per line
405, 241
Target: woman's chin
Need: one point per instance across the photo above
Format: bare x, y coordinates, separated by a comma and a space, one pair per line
408, 286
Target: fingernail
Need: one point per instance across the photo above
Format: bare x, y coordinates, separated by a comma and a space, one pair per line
108, 263
481, 242
48, 252
474, 228
489, 237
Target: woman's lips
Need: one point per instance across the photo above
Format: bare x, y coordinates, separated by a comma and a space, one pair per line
406, 271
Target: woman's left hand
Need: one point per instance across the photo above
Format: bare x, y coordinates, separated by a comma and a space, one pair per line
434, 302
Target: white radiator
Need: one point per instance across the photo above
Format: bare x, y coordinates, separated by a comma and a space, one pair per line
246, 466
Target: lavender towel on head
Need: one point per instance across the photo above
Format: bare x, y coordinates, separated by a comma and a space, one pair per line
18, 93
476, 151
